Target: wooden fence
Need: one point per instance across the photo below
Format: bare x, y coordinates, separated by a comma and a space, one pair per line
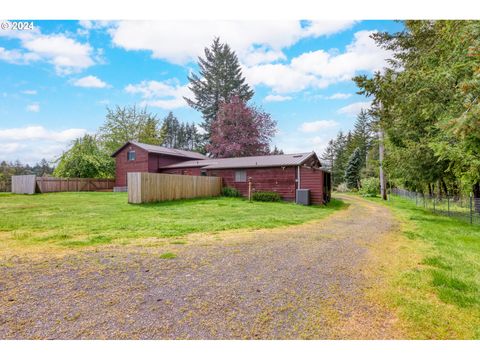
51, 184
23, 184
151, 187
29, 184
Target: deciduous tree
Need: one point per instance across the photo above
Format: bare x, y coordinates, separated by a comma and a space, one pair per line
241, 130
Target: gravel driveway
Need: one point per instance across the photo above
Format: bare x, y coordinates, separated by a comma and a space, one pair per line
300, 282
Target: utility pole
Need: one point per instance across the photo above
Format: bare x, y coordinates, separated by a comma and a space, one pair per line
381, 151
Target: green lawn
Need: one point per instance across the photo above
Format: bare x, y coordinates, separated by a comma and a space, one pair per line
79, 219
434, 274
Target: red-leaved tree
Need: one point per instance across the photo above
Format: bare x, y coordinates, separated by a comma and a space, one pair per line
240, 130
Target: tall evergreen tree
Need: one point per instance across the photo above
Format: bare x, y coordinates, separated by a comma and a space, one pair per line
352, 171
169, 130
219, 79
362, 137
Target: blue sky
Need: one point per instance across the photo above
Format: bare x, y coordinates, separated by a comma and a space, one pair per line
57, 79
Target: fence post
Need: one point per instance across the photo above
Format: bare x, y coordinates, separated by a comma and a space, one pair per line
416, 201
433, 204
448, 205
471, 209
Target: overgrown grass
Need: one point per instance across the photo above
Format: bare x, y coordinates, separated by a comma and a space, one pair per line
92, 219
433, 272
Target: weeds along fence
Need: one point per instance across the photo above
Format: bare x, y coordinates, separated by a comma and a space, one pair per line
152, 187
6, 185
463, 208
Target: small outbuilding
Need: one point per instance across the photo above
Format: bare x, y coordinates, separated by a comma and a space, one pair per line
283, 174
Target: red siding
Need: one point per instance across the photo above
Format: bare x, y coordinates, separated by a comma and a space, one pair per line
279, 180
123, 166
311, 178
276, 179
156, 161
144, 162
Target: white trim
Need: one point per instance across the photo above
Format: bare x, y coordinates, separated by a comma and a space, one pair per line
298, 168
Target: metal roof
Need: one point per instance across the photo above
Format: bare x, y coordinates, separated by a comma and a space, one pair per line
246, 162
164, 150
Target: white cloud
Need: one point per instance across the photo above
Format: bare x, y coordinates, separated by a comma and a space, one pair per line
314, 126
338, 96
29, 92
262, 56
166, 95
182, 41
276, 98
16, 56
354, 108
327, 27
320, 68
95, 24
32, 143
279, 77
67, 55
10, 148
34, 107
37, 132
90, 82
295, 142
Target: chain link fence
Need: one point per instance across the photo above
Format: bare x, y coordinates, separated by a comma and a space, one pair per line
463, 208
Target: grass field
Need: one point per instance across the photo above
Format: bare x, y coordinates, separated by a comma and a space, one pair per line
92, 219
433, 274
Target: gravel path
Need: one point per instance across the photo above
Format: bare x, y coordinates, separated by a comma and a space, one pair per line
299, 282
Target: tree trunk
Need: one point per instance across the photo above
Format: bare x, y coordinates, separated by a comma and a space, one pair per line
444, 187
381, 150
476, 197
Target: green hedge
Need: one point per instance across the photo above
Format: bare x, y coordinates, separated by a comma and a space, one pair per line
230, 192
265, 196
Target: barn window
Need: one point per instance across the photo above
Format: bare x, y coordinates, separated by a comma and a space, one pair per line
240, 176
203, 172
131, 155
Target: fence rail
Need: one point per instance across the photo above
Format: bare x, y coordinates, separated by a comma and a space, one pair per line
29, 184
151, 187
51, 184
463, 208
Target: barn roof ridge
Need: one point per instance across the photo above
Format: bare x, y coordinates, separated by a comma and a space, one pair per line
247, 161
163, 150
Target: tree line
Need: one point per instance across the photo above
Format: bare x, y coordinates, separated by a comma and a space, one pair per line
424, 117
7, 169
352, 156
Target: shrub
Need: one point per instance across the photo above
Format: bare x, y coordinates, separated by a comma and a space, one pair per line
342, 187
370, 187
266, 196
230, 192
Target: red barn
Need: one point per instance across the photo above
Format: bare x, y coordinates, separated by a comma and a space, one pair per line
283, 174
